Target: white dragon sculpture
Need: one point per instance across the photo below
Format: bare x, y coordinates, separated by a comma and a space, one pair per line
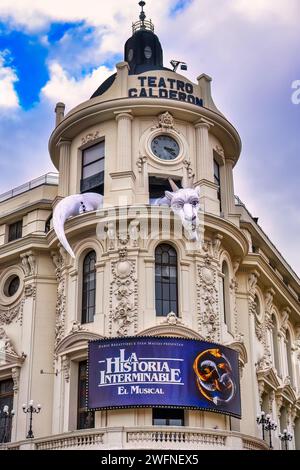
184, 202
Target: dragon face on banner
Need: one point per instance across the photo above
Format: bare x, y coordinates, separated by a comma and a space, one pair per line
214, 376
184, 202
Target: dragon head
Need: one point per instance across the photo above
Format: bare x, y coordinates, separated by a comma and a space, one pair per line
185, 203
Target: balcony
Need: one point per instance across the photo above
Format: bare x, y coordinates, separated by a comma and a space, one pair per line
152, 438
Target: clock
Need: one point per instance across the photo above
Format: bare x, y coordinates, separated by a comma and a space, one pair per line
165, 147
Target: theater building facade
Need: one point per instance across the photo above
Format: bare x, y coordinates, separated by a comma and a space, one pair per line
132, 276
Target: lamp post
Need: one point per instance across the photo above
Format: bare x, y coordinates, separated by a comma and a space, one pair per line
267, 424
270, 426
261, 419
30, 408
7, 415
285, 437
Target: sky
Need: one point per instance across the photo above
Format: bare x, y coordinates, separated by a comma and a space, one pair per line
61, 50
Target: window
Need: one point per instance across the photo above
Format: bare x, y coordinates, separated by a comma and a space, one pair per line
217, 180
289, 353
48, 224
88, 288
11, 286
167, 417
158, 186
15, 231
92, 177
85, 419
225, 294
166, 280
6, 399
275, 345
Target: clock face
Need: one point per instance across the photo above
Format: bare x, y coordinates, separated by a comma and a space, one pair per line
165, 147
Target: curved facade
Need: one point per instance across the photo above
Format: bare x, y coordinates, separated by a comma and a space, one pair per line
233, 288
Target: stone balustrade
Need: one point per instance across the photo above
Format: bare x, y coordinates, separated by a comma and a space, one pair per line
142, 438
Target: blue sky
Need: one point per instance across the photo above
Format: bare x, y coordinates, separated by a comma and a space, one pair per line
61, 50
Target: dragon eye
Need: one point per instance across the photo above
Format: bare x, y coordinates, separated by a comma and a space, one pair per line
194, 203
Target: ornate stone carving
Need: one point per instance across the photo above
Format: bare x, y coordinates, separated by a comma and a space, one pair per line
65, 367
134, 233
111, 235
220, 150
61, 297
172, 319
7, 315
76, 327
252, 282
90, 137
166, 121
207, 301
216, 245
15, 375
28, 261
233, 289
189, 170
6, 346
30, 291
140, 163
123, 296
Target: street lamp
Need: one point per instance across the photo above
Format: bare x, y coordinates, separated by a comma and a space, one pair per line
7, 415
30, 408
270, 426
285, 437
261, 419
267, 424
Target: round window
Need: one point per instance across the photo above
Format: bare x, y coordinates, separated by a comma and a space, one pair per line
148, 52
11, 286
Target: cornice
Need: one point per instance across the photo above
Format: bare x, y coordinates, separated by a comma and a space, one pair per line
7, 217
256, 261
91, 112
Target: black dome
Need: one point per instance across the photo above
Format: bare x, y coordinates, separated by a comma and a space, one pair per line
143, 52
104, 86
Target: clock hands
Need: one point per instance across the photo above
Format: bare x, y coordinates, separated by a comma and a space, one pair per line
170, 150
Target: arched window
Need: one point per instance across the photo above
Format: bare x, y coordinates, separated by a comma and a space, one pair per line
88, 288
225, 294
289, 356
166, 291
275, 344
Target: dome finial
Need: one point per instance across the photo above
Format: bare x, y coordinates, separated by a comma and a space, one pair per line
142, 14
142, 23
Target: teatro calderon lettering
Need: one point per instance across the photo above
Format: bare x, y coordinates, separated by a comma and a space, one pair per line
170, 88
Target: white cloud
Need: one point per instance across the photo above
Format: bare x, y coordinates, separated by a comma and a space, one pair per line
8, 96
62, 87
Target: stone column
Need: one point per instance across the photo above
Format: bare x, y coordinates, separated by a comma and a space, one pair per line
64, 167
124, 140
228, 187
123, 178
205, 168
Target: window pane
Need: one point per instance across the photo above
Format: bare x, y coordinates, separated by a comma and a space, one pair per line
166, 290
93, 169
93, 153
85, 419
6, 399
88, 288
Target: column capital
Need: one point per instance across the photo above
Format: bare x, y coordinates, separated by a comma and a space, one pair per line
66, 142
126, 113
203, 123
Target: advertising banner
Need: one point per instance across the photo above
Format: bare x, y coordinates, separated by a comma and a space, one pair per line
163, 372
